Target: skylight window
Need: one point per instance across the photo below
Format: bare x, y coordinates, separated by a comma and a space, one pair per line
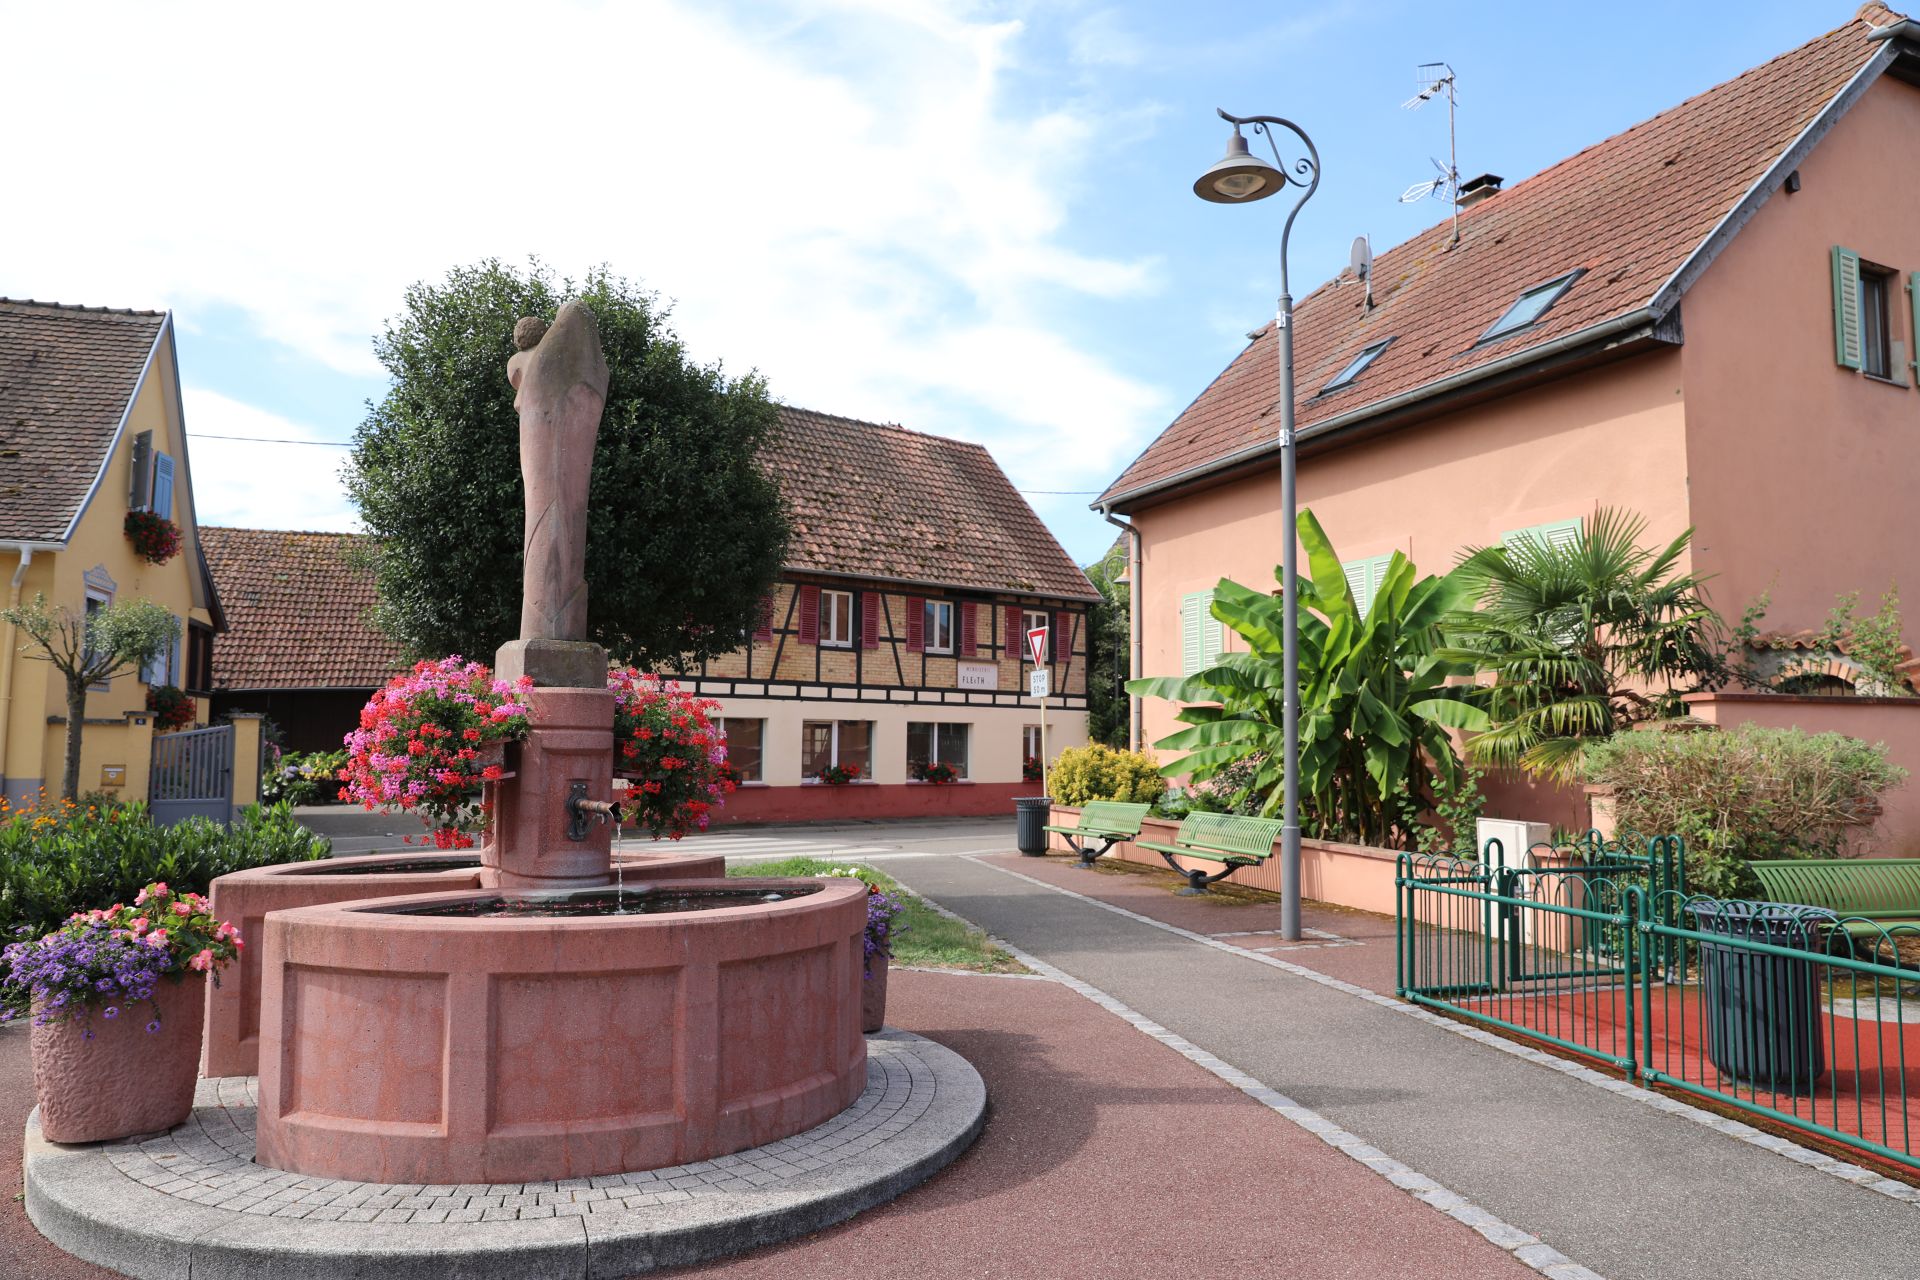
1530, 306
1356, 366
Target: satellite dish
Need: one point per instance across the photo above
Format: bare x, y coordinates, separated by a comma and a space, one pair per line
1361, 260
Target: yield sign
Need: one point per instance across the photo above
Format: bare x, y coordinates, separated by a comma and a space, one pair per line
1037, 644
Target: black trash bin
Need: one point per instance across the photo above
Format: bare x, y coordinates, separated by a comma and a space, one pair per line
1030, 831
1762, 1011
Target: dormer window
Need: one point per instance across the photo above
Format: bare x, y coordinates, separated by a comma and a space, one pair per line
1530, 306
1356, 366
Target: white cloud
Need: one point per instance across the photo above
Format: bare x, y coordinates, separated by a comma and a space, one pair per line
845, 196
254, 485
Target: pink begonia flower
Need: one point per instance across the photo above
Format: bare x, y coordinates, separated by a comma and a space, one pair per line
158, 938
139, 899
140, 924
203, 961
183, 908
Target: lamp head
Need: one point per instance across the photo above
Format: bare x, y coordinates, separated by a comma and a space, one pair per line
1239, 176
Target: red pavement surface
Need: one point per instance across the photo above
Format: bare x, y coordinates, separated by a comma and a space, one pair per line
1105, 1155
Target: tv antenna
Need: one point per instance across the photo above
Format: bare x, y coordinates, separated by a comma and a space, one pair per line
1361, 260
1436, 81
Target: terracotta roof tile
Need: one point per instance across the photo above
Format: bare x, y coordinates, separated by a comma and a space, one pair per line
1628, 211
878, 501
66, 375
298, 612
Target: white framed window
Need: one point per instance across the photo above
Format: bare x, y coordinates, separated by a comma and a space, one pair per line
1530, 306
96, 601
164, 667
842, 744
1029, 742
1030, 619
931, 743
836, 619
939, 624
744, 738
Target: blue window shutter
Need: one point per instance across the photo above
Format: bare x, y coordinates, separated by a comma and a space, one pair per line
1846, 308
163, 485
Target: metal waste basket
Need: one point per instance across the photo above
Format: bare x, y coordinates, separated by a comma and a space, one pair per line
1030, 832
1762, 1010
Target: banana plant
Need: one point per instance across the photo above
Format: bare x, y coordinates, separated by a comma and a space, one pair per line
1377, 699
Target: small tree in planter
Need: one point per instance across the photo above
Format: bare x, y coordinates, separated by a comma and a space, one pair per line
672, 755
119, 1002
89, 649
882, 908
430, 740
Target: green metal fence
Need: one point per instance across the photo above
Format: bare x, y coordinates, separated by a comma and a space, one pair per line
1786, 1012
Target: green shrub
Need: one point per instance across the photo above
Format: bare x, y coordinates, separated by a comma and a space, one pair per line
311, 777
67, 858
1748, 793
1096, 772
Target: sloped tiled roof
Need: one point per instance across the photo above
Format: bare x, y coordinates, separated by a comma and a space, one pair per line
298, 612
66, 376
1629, 211
878, 501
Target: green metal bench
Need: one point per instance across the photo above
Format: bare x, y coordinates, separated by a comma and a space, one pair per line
1218, 837
1868, 893
1108, 821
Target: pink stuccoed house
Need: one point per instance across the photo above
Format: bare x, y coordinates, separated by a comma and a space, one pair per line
1709, 319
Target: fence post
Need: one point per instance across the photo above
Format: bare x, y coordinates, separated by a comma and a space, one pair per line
1632, 910
247, 748
139, 748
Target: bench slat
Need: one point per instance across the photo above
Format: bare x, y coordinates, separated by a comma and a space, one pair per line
1883, 888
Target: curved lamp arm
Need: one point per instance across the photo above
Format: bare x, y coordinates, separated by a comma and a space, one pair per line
1303, 172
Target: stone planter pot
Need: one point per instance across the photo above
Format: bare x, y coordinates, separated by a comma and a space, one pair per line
873, 995
124, 1081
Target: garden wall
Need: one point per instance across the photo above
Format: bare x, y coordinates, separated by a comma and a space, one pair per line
1347, 875
863, 801
1894, 722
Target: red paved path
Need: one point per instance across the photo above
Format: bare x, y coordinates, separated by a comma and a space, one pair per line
1105, 1155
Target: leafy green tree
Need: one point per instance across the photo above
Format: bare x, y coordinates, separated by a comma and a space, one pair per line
88, 649
1375, 702
1582, 639
685, 530
1109, 637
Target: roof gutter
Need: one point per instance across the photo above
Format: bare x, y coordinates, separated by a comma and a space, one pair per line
1136, 569
26, 550
1632, 324
951, 586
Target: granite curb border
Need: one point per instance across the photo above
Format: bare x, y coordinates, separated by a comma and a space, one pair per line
84, 1202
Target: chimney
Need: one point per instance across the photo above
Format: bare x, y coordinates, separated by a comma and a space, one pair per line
1474, 190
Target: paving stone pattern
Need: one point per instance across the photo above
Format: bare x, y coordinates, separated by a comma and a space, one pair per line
209, 1161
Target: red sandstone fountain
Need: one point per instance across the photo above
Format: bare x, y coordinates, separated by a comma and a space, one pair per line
555, 1021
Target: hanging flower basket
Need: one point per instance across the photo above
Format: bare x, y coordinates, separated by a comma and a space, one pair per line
836, 775
155, 538
119, 1002
430, 741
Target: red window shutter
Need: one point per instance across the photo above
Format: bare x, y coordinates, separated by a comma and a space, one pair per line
969, 628
870, 619
916, 625
763, 630
1016, 633
809, 615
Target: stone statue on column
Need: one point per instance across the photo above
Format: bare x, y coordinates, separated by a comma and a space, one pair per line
559, 378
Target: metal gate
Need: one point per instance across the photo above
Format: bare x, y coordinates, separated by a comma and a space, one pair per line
192, 774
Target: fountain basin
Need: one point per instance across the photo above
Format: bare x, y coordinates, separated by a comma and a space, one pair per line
402, 1044
232, 1045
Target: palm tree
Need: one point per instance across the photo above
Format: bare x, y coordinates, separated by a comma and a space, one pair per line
1583, 638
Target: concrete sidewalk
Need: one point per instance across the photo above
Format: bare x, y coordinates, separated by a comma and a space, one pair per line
1629, 1191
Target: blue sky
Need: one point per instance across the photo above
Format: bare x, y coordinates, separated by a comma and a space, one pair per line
970, 218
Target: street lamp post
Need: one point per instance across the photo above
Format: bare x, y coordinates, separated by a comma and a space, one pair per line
1241, 178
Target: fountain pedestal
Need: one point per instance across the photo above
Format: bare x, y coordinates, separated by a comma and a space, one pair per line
571, 743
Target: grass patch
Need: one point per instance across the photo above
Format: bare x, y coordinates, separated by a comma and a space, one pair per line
923, 938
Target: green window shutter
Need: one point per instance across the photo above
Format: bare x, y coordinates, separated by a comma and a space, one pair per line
1555, 533
1212, 632
1364, 578
1193, 610
1913, 303
1846, 308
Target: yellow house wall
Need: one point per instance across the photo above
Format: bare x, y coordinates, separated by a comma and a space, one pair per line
36, 716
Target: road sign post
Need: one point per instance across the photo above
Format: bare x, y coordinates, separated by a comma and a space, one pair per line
1039, 687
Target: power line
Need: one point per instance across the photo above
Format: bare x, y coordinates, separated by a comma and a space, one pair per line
324, 444
1069, 493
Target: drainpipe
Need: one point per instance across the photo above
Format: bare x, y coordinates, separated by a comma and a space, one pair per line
1135, 572
6, 657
